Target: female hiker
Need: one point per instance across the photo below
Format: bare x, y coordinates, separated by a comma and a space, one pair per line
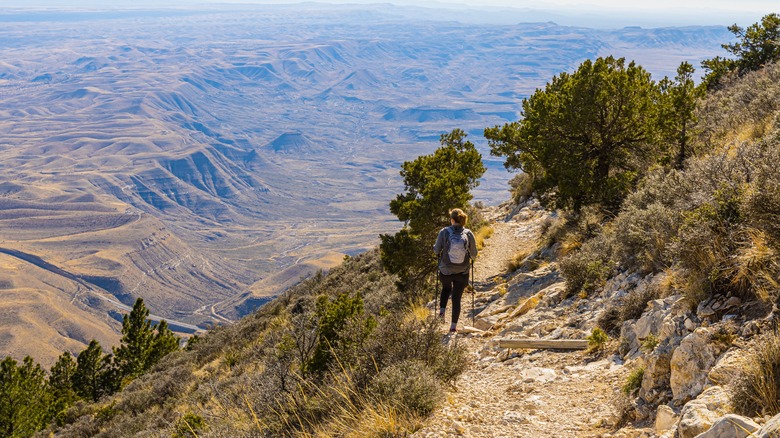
455, 247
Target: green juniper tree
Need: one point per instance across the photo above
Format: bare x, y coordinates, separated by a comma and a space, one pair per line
24, 398
94, 376
677, 114
132, 355
756, 46
586, 137
61, 384
434, 184
141, 346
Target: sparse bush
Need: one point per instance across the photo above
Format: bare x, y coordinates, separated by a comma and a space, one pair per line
635, 302
189, 425
409, 386
649, 343
756, 391
521, 187
597, 340
589, 268
610, 320
633, 381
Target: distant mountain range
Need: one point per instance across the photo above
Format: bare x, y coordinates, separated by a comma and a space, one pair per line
206, 159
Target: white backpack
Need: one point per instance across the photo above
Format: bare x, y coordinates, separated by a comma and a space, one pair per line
457, 249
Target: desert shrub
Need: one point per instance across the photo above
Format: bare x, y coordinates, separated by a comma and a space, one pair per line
597, 339
754, 271
629, 307
589, 268
635, 302
642, 235
334, 317
399, 339
521, 187
756, 391
554, 228
410, 386
633, 381
189, 425
737, 112
610, 320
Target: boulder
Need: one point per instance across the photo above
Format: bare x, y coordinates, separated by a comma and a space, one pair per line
656, 378
664, 319
690, 364
730, 426
771, 429
727, 367
698, 415
525, 284
665, 419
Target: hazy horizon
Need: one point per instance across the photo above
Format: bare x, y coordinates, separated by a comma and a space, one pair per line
588, 13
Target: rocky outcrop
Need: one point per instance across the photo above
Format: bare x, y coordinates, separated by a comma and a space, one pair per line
698, 415
656, 378
691, 361
664, 319
730, 426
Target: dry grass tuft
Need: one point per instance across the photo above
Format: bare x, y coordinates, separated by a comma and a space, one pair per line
756, 391
754, 267
482, 235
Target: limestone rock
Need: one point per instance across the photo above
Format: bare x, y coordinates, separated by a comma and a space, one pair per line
691, 362
698, 415
771, 429
665, 419
717, 305
664, 318
656, 377
727, 367
730, 426
539, 375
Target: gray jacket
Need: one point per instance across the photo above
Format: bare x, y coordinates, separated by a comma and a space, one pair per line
441, 241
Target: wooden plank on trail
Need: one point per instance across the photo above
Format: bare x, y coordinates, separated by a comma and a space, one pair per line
544, 344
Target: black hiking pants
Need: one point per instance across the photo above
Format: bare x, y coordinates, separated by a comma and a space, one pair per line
453, 285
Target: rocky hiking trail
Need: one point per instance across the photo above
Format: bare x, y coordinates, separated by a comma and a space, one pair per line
525, 393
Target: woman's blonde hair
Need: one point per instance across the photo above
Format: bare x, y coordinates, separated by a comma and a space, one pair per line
459, 216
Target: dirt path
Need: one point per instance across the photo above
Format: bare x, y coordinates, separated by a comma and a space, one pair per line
523, 394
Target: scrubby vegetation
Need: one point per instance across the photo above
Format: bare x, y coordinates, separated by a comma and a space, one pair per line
695, 196
350, 353
338, 355
694, 202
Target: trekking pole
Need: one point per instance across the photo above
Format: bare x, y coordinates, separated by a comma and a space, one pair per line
436, 293
473, 294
